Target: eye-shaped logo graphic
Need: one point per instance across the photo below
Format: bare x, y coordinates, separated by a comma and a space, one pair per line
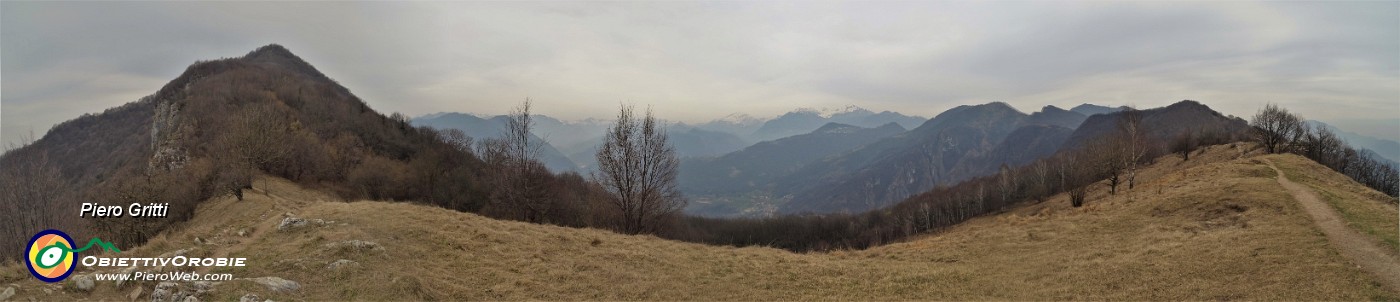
50, 256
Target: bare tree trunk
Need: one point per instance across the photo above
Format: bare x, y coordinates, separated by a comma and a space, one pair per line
638, 167
1133, 141
520, 191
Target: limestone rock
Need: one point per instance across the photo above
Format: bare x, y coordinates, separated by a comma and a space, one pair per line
291, 223
84, 282
276, 284
128, 271
164, 292
342, 264
249, 298
136, 293
355, 246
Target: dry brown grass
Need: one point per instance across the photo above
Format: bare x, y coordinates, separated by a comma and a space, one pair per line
1220, 228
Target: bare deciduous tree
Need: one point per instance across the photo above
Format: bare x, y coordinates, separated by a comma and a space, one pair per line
260, 134
638, 167
1132, 141
1071, 174
1185, 143
457, 139
258, 141
1006, 184
29, 197
1041, 168
1277, 129
520, 192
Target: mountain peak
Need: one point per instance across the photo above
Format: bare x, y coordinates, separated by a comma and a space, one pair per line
276, 54
739, 118
1051, 115
270, 50
1188, 103
1091, 109
997, 106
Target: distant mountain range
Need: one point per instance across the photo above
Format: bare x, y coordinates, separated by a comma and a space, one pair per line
570, 145
1091, 109
953, 146
1384, 148
822, 172
849, 159
1163, 124
805, 120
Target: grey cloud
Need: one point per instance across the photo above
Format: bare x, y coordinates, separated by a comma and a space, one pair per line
700, 60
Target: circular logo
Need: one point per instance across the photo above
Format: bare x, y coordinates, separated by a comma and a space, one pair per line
49, 256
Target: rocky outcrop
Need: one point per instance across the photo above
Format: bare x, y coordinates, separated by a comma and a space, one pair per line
166, 131
293, 222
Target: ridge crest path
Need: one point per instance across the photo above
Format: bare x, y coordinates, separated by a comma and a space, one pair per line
1361, 251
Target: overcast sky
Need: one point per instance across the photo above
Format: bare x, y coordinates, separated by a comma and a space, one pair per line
694, 61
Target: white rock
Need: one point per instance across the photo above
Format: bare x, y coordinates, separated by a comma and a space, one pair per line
249, 298
342, 263
291, 223
355, 245
84, 282
128, 271
135, 294
165, 291
276, 284
5, 295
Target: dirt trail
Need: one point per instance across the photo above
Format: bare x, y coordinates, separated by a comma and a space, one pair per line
1354, 246
280, 205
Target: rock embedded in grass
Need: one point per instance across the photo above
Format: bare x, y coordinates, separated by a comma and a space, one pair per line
342, 264
136, 293
276, 284
250, 298
165, 291
355, 246
292, 222
84, 282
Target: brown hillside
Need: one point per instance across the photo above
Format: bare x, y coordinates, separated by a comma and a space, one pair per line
1216, 227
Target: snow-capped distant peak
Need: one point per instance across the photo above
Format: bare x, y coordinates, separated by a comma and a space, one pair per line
739, 119
826, 112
